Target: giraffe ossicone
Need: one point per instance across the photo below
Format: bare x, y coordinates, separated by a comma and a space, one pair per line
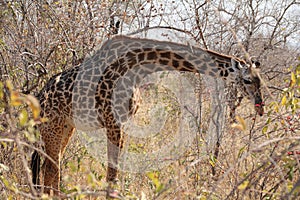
100, 93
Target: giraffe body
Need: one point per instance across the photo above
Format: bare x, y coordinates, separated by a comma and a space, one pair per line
99, 93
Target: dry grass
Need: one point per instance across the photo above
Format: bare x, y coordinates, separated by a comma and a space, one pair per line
254, 163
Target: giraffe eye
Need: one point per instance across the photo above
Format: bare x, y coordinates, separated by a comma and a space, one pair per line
247, 81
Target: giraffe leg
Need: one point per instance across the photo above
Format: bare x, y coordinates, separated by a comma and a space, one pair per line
68, 132
55, 147
51, 168
52, 133
114, 147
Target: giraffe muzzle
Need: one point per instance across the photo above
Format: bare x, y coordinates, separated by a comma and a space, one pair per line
259, 107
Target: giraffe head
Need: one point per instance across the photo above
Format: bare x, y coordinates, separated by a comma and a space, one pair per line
251, 86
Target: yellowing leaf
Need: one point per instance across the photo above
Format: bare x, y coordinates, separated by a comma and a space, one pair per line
241, 121
293, 79
23, 117
276, 108
283, 100
237, 126
1, 90
243, 185
9, 85
154, 178
241, 125
212, 163
34, 105
16, 99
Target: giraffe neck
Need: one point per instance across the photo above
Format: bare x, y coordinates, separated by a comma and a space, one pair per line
126, 53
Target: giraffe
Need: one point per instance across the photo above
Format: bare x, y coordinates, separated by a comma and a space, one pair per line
99, 93
233, 98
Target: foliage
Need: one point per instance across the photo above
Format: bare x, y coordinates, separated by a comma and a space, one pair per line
19, 114
258, 157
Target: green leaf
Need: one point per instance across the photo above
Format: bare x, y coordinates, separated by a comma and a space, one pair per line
265, 129
91, 180
212, 161
154, 178
241, 151
72, 166
290, 173
268, 121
